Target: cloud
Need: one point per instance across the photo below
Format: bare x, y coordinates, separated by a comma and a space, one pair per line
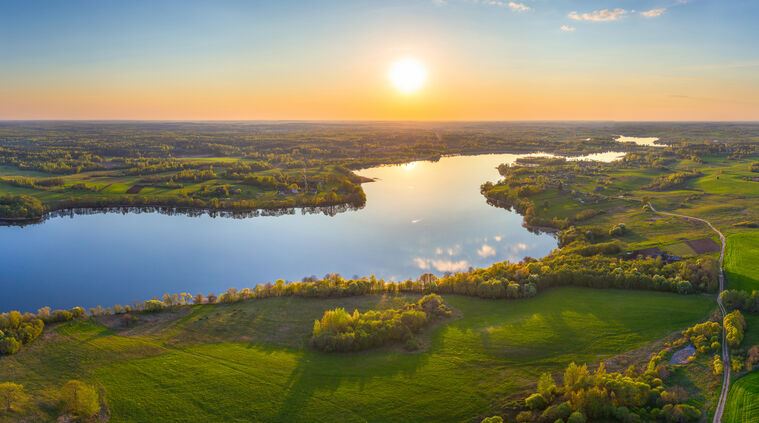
603, 15
486, 251
422, 263
442, 265
653, 13
450, 266
567, 28
518, 7
497, 238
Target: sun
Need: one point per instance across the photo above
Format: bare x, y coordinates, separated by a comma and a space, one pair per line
408, 75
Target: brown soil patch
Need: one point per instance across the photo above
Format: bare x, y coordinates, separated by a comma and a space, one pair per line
703, 246
135, 189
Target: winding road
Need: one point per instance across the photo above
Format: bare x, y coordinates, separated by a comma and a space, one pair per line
725, 351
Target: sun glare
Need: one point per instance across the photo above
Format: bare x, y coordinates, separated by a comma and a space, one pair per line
408, 75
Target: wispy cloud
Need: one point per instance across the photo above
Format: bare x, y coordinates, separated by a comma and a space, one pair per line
653, 13
603, 15
441, 265
486, 251
567, 28
519, 7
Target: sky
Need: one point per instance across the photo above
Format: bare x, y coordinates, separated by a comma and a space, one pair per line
329, 60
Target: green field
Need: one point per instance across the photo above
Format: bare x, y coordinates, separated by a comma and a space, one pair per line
741, 264
250, 360
743, 401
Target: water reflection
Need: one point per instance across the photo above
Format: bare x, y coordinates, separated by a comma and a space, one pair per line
647, 141
419, 217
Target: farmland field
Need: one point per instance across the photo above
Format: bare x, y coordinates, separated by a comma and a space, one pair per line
741, 264
250, 360
743, 402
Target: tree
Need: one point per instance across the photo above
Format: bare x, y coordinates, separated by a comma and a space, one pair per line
9, 346
576, 417
12, 397
546, 385
80, 399
717, 365
493, 419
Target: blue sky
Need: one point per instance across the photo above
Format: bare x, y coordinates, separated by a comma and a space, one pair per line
486, 59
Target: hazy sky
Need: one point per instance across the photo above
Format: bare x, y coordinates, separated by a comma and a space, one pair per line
485, 59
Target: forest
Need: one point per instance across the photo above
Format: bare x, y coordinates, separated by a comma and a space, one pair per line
248, 166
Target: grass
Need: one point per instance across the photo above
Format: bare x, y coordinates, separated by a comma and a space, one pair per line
250, 361
741, 264
743, 400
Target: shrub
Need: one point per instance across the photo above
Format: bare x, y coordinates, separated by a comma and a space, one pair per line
576, 417
536, 402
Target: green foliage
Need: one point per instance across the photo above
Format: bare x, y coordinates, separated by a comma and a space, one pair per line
493, 419
576, 417
18, 329
339, 330
613, 396
13, 398
536, 401
80, 399
718, 366
704, 335
672, 180
735, 328
20, 207
618, 230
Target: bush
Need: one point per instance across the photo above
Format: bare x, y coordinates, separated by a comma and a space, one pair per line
576, 417
556, 412
536, 402
493, 419
618, 230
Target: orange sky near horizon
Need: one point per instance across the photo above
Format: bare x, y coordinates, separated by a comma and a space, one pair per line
286, 61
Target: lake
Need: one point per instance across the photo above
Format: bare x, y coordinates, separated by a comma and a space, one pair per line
419, 217
647, 141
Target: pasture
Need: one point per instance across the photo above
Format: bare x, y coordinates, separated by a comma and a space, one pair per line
741, 265
743, 400
250, 360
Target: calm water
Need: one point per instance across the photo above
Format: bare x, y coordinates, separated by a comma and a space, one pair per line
647, 141
419, 217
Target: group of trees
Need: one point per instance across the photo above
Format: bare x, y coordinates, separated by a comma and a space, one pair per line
20, 207
672, 180
734, 299
340, 331
585, 395
735, 328
704, 336
79, 401
18, 329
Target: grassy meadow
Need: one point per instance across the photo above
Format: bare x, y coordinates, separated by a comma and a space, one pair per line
741, 264
251, 360
743, 401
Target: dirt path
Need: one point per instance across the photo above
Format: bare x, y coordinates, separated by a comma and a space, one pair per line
725, 351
